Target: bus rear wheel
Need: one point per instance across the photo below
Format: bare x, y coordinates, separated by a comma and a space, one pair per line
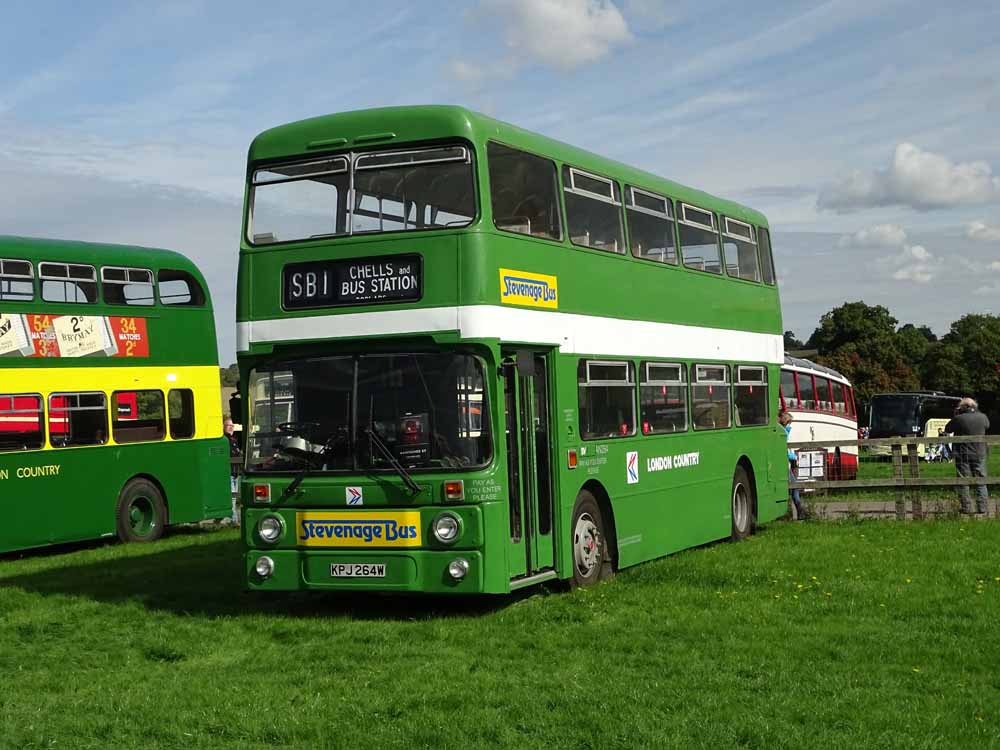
742, 505
141, 513
589, 542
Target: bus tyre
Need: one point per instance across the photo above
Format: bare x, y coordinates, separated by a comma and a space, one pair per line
142, 513
591, 562
742, 505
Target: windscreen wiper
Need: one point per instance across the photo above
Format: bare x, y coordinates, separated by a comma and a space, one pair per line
384, 450
294, 484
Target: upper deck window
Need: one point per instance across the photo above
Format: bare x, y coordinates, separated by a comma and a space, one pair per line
300, 200
127, 286
16, 280
68, 282
699, 239
393, 191
593, 210
405, 190
650, 226
739, 242
524, 192
180, 288
766, 258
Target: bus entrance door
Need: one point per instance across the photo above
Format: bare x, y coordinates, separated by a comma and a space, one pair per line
528, 410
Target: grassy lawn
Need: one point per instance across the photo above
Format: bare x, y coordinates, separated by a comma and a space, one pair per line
824, 635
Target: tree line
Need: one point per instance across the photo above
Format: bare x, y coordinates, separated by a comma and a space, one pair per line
868, 345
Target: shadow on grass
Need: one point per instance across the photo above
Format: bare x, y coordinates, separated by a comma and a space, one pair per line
206, 579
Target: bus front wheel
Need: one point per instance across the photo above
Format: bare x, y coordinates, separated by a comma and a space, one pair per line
742, 505
142, 513
590, 545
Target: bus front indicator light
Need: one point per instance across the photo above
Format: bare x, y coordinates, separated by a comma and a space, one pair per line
458, 568
454, 490
270, 528
264, 567
447, 528
262, 493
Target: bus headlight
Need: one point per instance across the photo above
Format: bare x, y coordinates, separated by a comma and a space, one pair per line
458, 568
447, 527
264, 566
270, 528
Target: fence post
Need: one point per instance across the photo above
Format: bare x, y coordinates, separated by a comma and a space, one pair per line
897, 473
914, 473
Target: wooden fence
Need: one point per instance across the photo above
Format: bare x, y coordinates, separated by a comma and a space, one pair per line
906, 479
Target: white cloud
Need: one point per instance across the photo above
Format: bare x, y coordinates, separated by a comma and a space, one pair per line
564, 34
465, 71
990, 290
653, 15
913, 263
980, 230
880, 235
916, 178
995, 265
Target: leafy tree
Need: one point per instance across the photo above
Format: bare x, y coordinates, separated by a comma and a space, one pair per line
914, 344
965, 363
230, 376
860, 341
791, 342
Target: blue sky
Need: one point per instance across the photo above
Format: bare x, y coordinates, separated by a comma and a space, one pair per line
865, 130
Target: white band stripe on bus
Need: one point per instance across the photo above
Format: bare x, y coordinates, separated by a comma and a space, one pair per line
572, 333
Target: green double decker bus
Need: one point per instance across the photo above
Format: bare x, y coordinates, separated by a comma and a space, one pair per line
475, 359
110, 402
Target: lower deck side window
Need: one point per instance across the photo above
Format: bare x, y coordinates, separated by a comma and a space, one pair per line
78, 419
606, 393
138, 416
180, 405
21, 423
710, 407
662, 398
750, 395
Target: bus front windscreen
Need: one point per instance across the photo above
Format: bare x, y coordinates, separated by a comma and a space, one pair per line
351, 413
381, 191
895, 415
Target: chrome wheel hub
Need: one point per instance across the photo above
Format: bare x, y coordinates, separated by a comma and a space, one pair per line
741, 508
587, 545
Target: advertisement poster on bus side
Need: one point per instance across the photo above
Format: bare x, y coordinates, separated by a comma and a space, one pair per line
72, 336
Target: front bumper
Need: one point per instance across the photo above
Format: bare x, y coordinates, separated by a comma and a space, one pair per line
417, 570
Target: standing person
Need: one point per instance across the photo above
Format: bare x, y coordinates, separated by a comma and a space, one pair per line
234, 452
970, 458
785, 420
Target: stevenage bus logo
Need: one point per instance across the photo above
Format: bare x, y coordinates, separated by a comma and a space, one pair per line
526, 288
357, 529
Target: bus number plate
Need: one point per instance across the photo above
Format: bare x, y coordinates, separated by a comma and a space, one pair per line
358, 281
357, 570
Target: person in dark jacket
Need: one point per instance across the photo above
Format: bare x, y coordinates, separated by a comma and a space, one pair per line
970, 458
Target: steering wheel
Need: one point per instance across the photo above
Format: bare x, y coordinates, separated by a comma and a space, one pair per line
302, 429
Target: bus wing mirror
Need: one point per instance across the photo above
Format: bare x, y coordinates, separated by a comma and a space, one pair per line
526, 364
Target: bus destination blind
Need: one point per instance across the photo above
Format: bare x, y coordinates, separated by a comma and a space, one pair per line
357, 281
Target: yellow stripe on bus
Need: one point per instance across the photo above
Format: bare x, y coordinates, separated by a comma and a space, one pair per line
203, 381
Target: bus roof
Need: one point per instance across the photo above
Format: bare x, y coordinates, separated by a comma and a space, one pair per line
806, 364
403, 125
921, 394
94, 253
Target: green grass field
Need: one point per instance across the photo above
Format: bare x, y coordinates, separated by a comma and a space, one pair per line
826, 635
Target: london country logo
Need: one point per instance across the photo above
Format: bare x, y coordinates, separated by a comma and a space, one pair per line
632, 467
